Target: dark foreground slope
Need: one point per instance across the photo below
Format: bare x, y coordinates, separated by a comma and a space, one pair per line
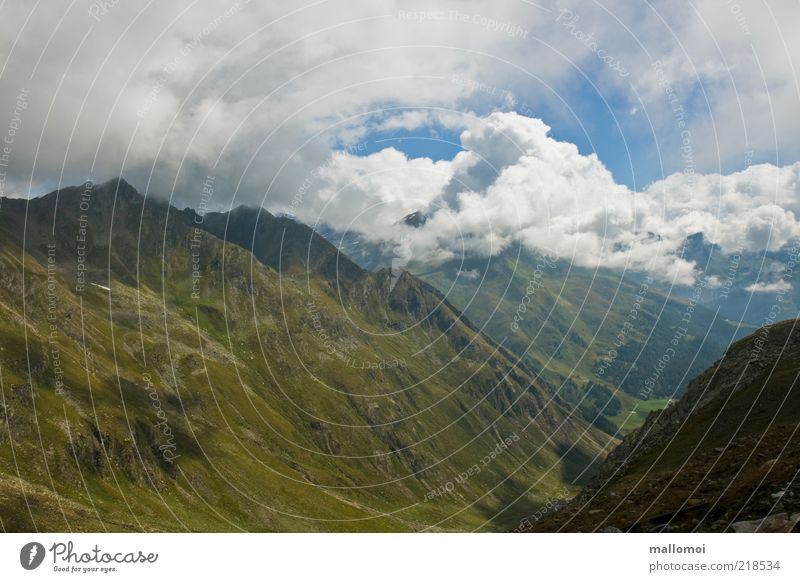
154, 376
725, 457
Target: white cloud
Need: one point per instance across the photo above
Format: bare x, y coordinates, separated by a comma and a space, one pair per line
776, 287
516, 183
372, 193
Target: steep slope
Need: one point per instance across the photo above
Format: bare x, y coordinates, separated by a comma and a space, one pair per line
598, 337
278, 242
157, 377
595, 337
725, 457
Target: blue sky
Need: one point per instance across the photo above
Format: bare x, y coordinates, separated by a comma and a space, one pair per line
636, 149
628, 151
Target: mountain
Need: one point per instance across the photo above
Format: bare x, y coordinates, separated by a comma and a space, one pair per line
164, 369
278, 242
594, 337
724, 457
745, 285
614, 345
415, 219
366, 254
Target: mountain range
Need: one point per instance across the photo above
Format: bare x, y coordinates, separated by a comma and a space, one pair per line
186, 370
168, 370
724, 457
595, 337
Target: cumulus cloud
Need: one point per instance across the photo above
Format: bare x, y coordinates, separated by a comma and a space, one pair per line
515, 183
776, 287
372, 193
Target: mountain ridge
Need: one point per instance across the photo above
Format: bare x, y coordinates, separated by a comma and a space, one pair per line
286, 406
722, 458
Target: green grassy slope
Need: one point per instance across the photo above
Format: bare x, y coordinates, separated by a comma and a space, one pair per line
208, 391
594, 336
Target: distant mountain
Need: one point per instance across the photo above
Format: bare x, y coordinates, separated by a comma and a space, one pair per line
366, 254
696, 249
745, 285
168, 370
614, 346
278, 242
725, 457
415, 219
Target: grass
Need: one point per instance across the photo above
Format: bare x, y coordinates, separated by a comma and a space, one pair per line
635, 412
273, 434
571, 323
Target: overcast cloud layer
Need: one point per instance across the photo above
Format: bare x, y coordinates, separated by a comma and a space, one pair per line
702, 96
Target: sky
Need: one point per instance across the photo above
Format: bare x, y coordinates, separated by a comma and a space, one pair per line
608, 130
